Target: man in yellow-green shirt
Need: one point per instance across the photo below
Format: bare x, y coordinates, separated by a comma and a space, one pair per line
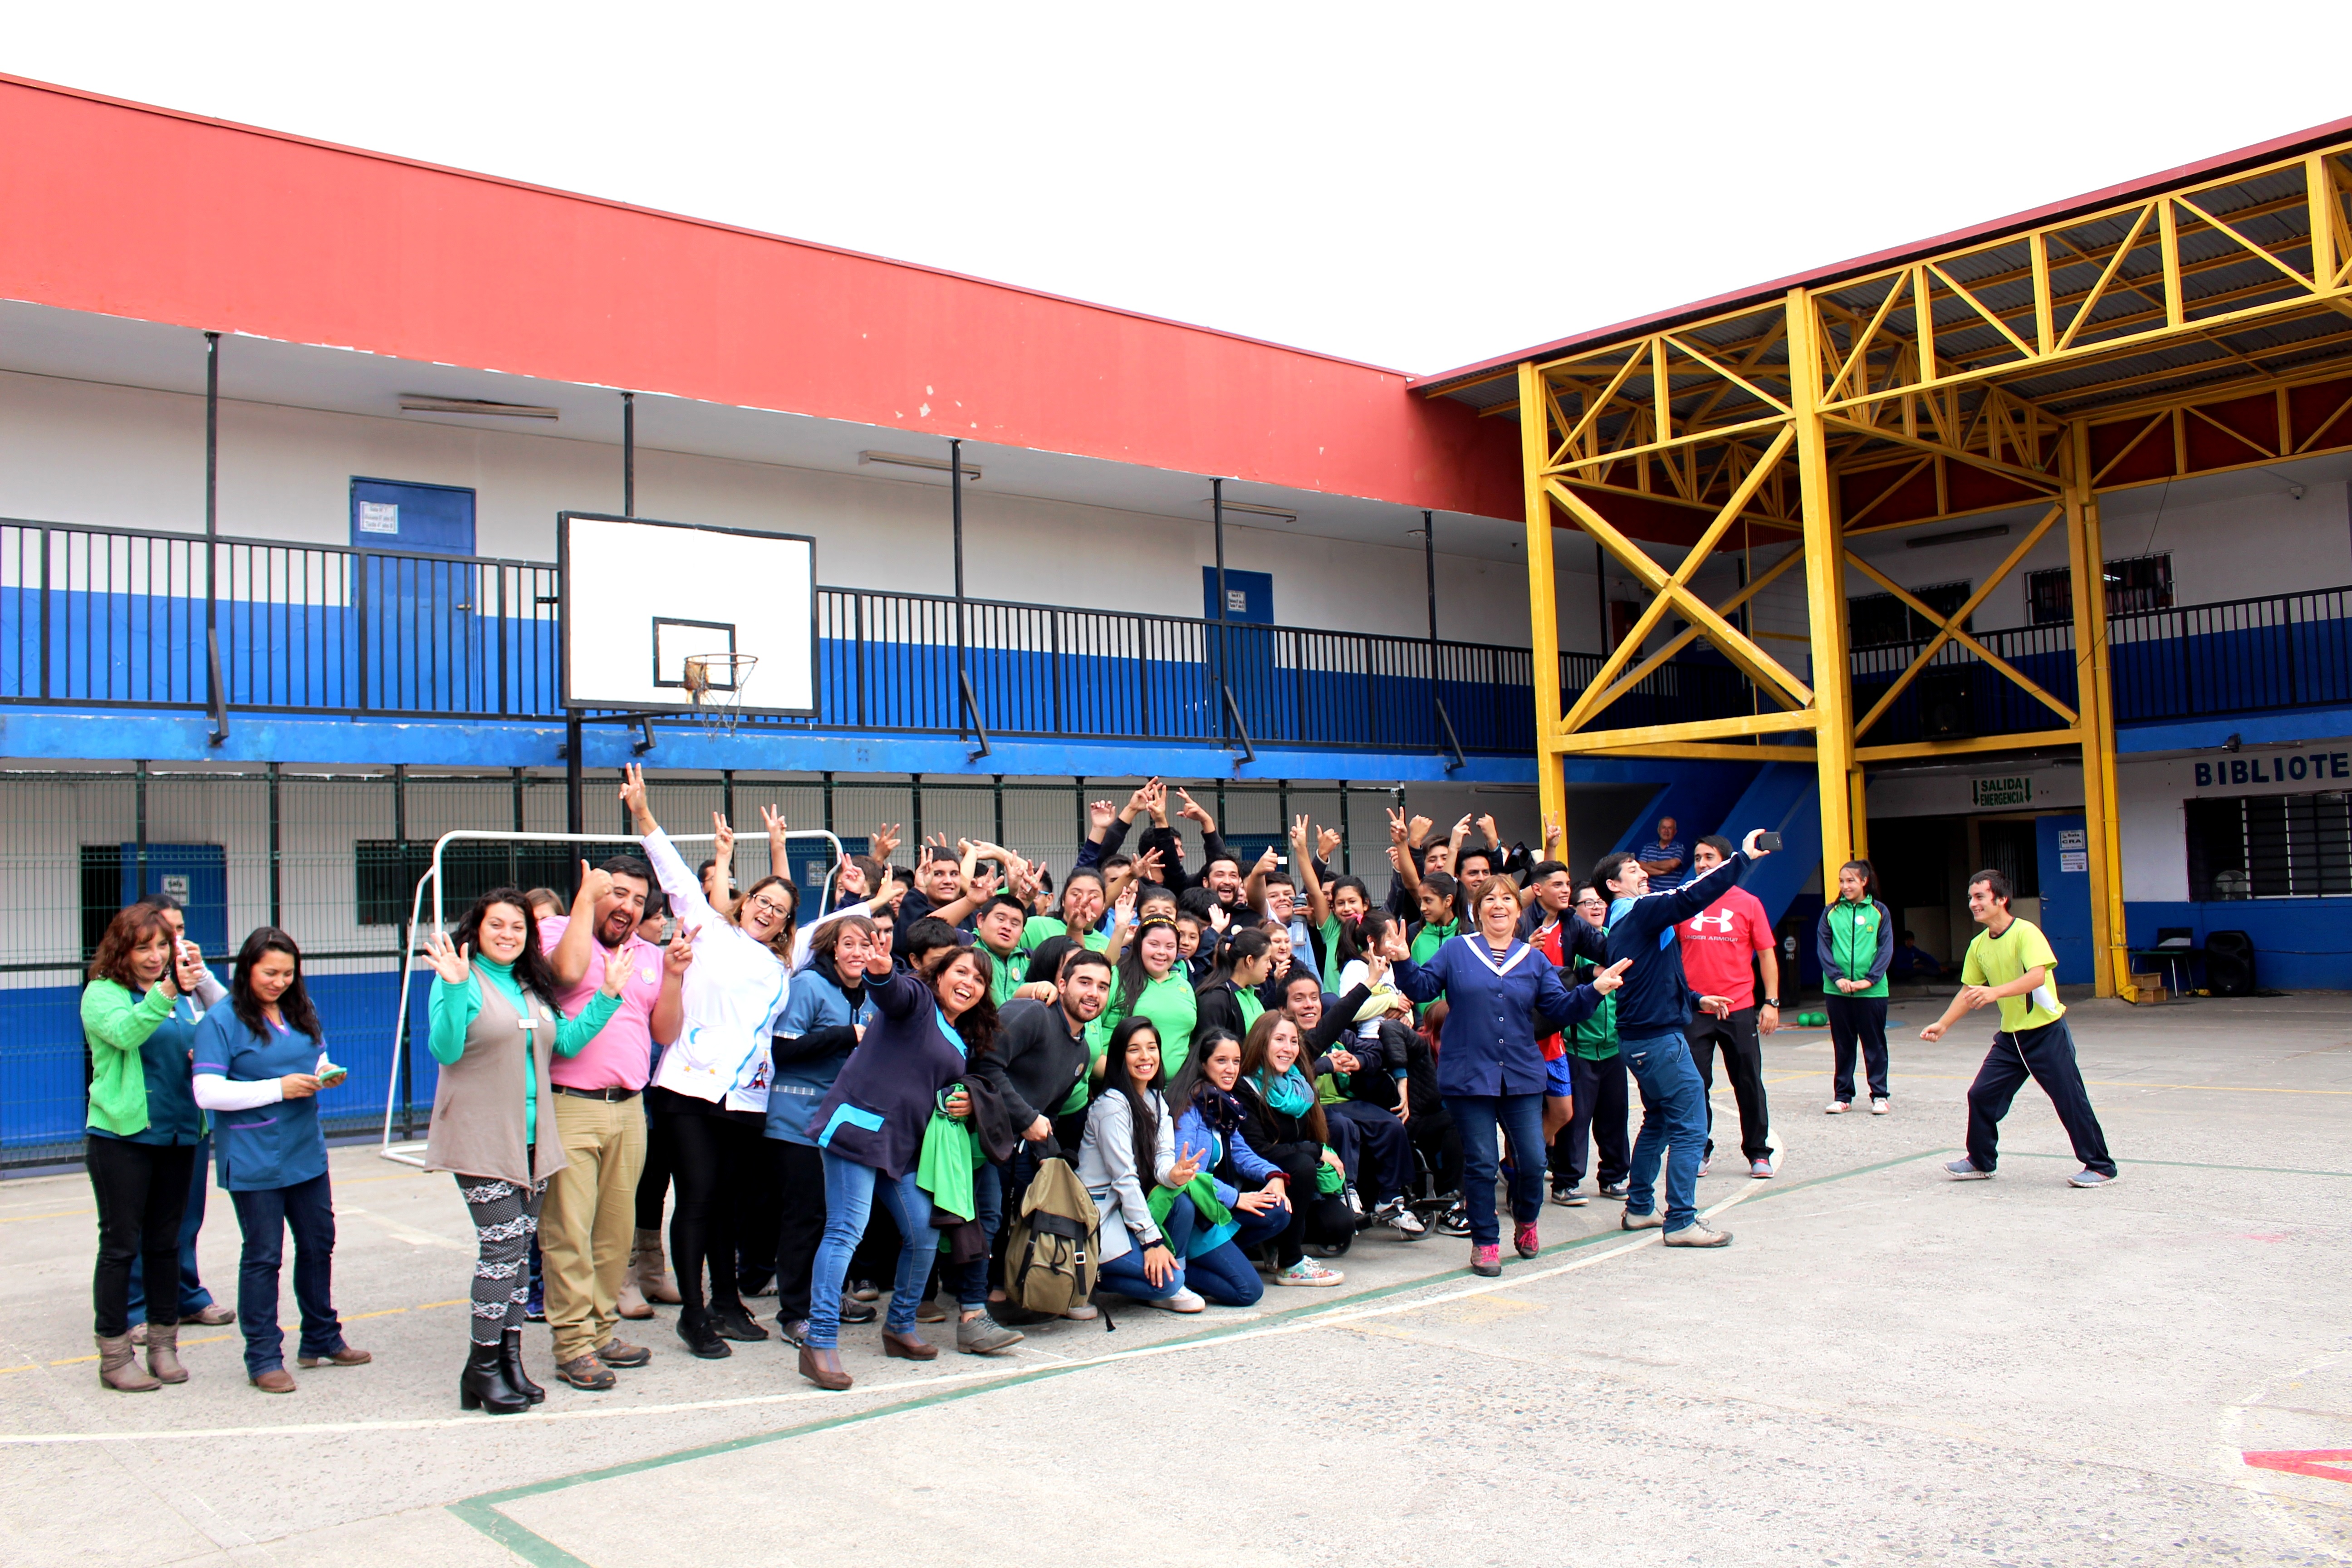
2010, 963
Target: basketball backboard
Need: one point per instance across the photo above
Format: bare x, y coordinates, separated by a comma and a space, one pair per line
641, 598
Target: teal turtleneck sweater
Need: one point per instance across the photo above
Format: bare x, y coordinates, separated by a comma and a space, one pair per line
452, 1009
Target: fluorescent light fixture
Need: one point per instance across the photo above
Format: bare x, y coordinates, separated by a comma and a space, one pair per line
902, 461
1285, 513
1993, 531
424, 402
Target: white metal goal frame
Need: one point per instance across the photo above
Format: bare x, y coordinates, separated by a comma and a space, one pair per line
409, 1155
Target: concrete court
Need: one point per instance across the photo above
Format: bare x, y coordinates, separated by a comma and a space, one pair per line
1885, 1366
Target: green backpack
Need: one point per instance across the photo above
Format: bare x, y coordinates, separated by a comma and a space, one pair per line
1054, 1250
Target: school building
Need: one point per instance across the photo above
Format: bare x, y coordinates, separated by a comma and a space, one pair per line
286, 429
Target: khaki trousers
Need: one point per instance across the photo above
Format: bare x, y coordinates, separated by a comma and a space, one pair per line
590, 1220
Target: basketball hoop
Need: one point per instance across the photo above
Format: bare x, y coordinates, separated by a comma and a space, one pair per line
715, 684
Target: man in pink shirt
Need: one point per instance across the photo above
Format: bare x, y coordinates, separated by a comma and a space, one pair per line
588, 1223
1717, 943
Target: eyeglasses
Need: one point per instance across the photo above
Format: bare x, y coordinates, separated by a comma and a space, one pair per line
1591, 904
761, 900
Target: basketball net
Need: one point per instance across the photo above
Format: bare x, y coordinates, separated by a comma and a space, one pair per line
715, 684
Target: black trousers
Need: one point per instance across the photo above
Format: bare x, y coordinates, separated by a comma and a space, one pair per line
1440, 1142
712, 1159
2046, 1055
1743, 1062
1314, 1216
141, 1190
1857, 1019
762, 1206
1602, 1104
652, 1181
801, 1227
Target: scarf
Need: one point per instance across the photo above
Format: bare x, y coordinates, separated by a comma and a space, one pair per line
1290, 1095
1215, 1224
1219, 1110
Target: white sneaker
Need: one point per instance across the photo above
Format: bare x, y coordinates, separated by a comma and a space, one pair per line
1182, 1302
1837, 1108
1400, 1219
1880, 1107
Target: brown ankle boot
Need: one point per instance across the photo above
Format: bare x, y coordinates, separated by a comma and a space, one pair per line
630, 1303
117, 1366
650, 1269
823, 1367
163, 1353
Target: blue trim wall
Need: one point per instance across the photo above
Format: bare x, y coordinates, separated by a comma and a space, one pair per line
2300, 945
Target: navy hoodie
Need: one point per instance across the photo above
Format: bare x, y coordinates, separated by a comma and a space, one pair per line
1655, 999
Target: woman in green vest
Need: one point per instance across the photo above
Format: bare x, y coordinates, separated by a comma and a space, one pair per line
138, 1020
1151, 984
1857, 942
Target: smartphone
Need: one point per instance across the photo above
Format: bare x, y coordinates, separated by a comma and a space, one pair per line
1769, 842
328, 1073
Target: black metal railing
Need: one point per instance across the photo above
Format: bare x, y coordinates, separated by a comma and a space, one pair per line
117, 617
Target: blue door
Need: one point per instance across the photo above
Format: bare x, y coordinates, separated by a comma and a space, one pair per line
420, 617
2062, 848
197, 875
812, 862
1242, 650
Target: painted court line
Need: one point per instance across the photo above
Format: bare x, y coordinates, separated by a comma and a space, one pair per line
1295, 1320
482, 1512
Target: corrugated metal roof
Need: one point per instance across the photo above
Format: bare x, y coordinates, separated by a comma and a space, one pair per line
1464, 382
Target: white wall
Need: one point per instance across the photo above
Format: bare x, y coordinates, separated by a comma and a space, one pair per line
2149, 796
79, 452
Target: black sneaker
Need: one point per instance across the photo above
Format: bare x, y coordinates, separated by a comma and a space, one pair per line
1567, 1196
1615, 1190
1454, 1221
694, 1327
856, 1311
735, 1323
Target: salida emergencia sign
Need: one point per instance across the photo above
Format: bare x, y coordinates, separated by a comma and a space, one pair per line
2014, 789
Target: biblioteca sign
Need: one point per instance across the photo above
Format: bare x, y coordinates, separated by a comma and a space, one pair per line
2011, 790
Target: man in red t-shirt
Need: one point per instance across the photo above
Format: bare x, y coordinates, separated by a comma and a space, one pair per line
1717, 945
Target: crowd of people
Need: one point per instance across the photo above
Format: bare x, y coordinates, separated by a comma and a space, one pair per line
992, 1098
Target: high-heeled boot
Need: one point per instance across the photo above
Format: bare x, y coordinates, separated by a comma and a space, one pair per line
510, 1363
483, 1384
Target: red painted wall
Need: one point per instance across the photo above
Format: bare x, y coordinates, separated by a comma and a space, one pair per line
118, 208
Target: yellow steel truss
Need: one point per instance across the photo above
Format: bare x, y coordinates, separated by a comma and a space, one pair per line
2031, 368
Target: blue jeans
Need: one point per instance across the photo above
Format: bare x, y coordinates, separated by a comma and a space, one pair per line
1125, 1273
850, 1190
1674, 1126
1479, 1117
307, 1209
988, 1196
1224, 1273
193, 1296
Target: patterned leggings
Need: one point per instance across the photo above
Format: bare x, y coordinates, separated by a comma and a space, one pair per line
506, 1218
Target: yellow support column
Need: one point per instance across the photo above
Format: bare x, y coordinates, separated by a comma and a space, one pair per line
2094, 699
1543, 611
1833, 674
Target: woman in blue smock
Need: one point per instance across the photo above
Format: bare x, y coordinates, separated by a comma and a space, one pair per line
1489, 1068
258, 1066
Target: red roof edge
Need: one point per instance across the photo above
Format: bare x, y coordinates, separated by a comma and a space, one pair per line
137, 107
2111, 196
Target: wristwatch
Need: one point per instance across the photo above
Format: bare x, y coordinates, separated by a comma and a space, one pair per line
1772, 1001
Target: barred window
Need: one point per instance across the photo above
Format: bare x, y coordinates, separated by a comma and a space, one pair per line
1881, 620
2270, 846
390, 868
2137, 582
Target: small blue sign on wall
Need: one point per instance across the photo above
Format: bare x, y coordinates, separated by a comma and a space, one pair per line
1249, 595
390, 514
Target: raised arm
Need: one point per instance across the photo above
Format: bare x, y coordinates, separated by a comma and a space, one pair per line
677, 877
569, 958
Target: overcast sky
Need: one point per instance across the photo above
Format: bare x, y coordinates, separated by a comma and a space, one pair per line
1418, 186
